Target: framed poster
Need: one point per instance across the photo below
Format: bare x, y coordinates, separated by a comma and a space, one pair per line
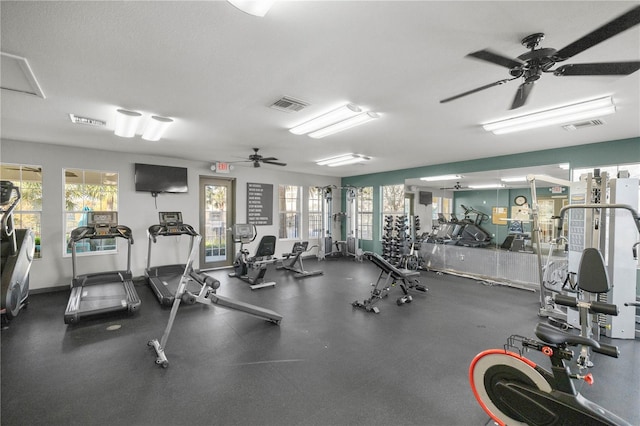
259, 204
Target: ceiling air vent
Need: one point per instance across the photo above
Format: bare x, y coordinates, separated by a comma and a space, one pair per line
86, 120
583, 124
287, 104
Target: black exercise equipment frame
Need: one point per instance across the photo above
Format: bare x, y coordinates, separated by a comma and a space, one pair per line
389, 276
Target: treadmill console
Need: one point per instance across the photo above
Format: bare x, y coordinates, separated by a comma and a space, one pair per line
243, 232
172, 221
102, 222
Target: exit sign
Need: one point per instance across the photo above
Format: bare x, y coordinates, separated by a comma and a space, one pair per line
222, 167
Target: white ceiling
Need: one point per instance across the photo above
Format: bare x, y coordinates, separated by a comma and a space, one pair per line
215, 71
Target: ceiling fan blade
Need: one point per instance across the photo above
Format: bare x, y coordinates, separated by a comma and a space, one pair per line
269, 159
275, 163
608, 30
496, 58
497, 83
521, 95
603, 68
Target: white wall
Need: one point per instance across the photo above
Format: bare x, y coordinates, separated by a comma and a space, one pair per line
136, 210
420, 210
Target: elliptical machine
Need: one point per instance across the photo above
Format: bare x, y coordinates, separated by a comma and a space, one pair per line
18, 248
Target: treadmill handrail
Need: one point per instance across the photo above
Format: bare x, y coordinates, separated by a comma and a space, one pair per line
162, 230
90, 232
167, 231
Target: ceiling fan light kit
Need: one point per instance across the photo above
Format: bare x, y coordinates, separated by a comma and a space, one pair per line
531, 65
565, 114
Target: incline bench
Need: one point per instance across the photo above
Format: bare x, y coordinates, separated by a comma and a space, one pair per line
390, 275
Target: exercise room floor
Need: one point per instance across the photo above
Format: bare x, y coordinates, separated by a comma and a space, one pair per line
326, 364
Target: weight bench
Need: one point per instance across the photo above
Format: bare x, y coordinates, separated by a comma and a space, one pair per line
293, 261
389, 276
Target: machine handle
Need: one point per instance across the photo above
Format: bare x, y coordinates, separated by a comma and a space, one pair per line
594, 307
608, 350
564, 300
603, 308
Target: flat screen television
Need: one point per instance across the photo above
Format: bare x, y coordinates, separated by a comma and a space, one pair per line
426, 198
157, 179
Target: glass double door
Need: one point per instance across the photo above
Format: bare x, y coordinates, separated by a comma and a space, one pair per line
216, 218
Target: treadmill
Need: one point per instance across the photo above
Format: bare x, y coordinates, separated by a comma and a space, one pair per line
165, 279
102, 292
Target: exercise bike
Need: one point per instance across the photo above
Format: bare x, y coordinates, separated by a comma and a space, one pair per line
252, 269
512, 389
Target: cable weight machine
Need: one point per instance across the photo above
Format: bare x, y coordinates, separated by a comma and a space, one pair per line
597, 223
343, 248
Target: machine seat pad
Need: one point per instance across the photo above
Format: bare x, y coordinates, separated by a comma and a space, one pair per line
550, 334
388, 267
267, 246
592, 273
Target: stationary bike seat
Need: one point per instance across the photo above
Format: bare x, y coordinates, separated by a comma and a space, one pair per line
550, 334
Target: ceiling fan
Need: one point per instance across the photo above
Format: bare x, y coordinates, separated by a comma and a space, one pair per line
257, 159
456, 186
530, 65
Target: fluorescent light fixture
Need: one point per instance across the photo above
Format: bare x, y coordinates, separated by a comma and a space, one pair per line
342, 160
487, 186
580, 111
127, 123
253, 7
441, 177
156, 126
514, 179
345, 124
564, 166
332, 117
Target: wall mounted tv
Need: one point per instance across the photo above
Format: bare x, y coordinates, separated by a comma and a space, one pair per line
157, 179
426, 198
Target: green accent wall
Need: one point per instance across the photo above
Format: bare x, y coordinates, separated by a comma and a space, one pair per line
622, 151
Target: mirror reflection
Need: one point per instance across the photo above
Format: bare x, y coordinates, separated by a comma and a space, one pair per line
489, 209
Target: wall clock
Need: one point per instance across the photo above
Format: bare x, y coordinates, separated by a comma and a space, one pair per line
520, 200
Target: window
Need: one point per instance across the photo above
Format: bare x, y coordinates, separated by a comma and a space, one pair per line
392, 202
289, 207
365, 213
441, 205
315, 212
88, 190
28, 212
